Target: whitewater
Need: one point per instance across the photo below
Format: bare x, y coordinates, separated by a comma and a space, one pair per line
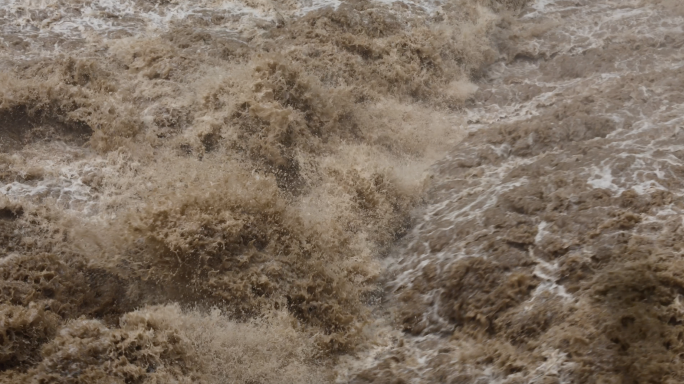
324, 191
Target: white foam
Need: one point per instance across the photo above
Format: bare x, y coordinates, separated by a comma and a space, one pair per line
541, 232
602, 178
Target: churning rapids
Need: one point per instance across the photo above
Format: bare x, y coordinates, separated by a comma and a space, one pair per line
321, 191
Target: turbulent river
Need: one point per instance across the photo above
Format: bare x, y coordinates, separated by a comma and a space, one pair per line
322, 191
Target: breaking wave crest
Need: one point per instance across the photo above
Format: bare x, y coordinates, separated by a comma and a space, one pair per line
204, 191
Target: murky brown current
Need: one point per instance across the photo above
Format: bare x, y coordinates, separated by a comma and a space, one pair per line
305, 191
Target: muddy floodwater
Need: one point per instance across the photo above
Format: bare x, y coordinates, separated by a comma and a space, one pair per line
352, 191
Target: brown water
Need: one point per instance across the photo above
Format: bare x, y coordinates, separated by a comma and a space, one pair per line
550, 250
244, 192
